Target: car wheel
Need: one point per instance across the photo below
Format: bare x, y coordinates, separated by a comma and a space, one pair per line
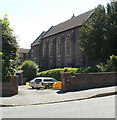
38, 88
32, 87
47, 87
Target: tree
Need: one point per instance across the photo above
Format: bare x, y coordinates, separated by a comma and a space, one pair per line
99, 35
30, 69
93, 35
9, 50
112, 28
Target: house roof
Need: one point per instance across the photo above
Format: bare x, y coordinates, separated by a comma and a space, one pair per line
36, 42
22, 50
71, 23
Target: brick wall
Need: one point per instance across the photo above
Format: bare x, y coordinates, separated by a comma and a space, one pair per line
9, 88
88, 80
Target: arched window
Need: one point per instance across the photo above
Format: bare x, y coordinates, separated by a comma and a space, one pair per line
44, 48
68, 45
50, 47
58, 47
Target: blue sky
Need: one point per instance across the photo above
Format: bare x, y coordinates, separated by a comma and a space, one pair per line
29, 18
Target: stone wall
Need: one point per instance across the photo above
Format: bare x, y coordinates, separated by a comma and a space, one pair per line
60, 50
34, 53
83, 81
56, 52
9, 88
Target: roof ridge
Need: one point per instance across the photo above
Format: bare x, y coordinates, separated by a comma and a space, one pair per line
68, 24
41, 35
74, 17
48, 30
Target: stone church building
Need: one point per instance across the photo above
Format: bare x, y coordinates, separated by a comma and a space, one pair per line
58, 47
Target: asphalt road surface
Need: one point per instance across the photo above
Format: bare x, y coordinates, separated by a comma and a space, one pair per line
103, 107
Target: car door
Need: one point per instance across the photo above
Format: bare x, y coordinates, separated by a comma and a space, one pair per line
38, 82
48, 83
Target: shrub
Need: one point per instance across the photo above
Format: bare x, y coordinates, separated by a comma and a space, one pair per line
87, 70
71, 70
55, 73
111, 65
30, 69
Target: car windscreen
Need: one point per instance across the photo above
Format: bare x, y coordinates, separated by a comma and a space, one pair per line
38, 80
54, 80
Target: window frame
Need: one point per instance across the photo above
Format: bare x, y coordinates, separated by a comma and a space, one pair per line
68, 45
51, 48
58, 47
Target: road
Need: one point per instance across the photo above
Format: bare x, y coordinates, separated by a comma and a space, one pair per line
103, 107
32, 96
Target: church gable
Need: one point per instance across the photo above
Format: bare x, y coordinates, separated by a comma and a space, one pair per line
58, 47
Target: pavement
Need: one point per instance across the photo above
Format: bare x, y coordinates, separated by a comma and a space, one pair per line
27, 96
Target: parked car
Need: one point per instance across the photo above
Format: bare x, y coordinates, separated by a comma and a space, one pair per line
42, 82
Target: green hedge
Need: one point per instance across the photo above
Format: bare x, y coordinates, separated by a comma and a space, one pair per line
55, 73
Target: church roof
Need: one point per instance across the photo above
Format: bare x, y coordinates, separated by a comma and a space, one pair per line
71, 23
23, 50
36, 42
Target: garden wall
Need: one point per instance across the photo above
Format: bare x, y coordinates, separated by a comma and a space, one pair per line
82, 81
9, 88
